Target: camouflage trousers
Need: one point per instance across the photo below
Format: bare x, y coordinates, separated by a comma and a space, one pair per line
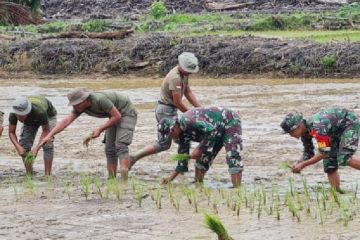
231, 140
346, 145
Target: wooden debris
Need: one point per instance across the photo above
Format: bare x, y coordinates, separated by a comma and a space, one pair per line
7, 37
102, 35
216, 6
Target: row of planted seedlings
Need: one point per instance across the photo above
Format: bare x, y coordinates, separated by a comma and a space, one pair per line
297, 199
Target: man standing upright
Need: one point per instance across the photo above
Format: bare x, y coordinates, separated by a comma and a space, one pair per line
33, 112
173, 88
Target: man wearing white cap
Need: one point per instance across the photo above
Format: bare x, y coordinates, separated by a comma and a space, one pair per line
33, 112
119, 127
173, 88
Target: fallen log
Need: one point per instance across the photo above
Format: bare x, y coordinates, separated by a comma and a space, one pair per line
102, 35
216, 6
7, 37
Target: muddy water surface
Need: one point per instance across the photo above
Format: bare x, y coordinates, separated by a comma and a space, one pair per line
46, 212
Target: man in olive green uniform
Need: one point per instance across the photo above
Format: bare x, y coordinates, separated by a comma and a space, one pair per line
173, 88
336, 131
33, 112
119, 127
1, 122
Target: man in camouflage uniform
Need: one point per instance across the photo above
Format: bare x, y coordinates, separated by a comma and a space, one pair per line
336, 131
173, 88
34, 112
213, 128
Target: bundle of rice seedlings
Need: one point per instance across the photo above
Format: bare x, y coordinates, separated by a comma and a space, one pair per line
214, 224
29, 159
180, 157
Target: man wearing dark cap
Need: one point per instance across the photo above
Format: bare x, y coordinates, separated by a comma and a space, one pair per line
213, 128
119, 127
33, 112
173, 88
336, 131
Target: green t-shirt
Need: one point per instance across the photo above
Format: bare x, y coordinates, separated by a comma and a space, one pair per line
41, 110
103, 102
173, 81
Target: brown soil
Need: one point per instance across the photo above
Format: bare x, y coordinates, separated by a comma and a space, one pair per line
153, 54
45, 211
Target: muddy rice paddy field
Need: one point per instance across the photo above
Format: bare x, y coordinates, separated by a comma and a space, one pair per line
79, 203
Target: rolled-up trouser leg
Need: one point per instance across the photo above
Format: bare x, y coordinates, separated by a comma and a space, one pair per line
124, 135
48, 148
163, 111
110, 150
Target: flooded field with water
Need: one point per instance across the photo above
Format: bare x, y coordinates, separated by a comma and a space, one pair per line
66, 207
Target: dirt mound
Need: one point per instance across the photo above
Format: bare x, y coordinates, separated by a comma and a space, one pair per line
63, 9
158, 53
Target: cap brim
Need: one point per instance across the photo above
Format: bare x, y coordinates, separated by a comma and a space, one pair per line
22, 113
86, 95
188, 70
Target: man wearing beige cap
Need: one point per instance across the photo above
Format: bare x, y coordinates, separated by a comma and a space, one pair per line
33, 112
119, 127
173, 88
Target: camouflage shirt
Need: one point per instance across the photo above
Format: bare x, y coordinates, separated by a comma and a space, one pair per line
206, 125
326, 127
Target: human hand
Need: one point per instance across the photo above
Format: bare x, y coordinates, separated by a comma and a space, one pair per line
196, 154
96, 133
45, 140
298, 167
21, 151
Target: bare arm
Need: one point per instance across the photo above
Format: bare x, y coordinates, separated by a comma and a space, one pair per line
178, 102
115, 117
12, 135
316, 158
191, 97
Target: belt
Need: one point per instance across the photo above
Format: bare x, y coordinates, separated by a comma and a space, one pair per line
166, 104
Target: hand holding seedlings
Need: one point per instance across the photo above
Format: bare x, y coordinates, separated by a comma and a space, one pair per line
298, 167
29, 159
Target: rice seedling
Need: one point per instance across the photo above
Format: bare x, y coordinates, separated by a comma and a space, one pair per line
156, 197
15, 190
323, 196
307, 195
139, 190
215, 203
194, 200
285, 166
97, 184
119, 190
50, 183
215, 225
111, 186
289, 200
207, 193
29, 184
187, 192
68, 188
85, 182
335, 196
259, 205
173, 199
87, 140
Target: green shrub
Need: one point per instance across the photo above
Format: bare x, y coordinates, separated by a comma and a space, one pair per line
349, 10
53, 27
158, 9
328, 62
94, 25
